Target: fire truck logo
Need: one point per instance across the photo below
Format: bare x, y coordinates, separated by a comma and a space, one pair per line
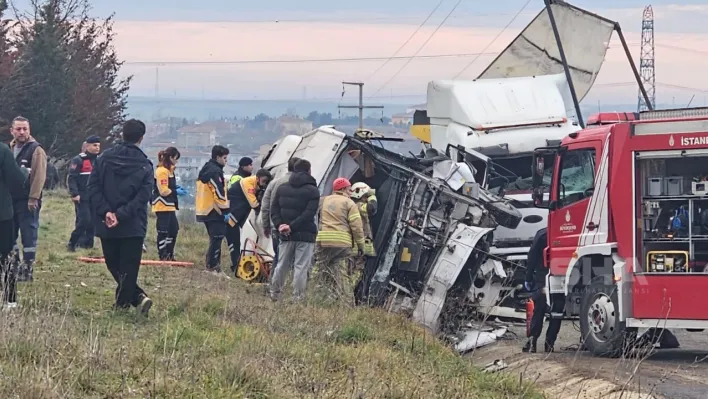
568, 227
671, 140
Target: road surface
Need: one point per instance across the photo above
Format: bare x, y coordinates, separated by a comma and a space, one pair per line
665, 373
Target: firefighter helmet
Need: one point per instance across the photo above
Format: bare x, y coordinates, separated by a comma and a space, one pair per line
359, 190
340, 183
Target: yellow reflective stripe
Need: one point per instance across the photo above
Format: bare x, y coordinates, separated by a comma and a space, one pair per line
354, 216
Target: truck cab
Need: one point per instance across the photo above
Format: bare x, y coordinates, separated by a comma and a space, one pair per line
628, 224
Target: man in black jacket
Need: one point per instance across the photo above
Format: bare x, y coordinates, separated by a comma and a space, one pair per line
79, 172
119, 189
12, 179
536, 273
293, 212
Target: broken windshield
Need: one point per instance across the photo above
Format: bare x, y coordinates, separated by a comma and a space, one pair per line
517, 172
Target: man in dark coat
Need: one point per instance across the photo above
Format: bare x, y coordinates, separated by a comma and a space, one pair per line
12, 179
119, 189
79, 172
293, 212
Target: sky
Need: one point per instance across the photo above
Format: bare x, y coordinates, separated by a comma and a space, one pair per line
226, 43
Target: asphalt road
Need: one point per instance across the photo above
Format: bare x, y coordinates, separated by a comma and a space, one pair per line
665, 373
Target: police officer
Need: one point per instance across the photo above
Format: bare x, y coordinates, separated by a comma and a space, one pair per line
79, 172
535, 282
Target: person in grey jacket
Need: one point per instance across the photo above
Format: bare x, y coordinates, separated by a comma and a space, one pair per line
267, 204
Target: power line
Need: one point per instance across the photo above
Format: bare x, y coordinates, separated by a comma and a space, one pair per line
495, 39
420, 48
407, 40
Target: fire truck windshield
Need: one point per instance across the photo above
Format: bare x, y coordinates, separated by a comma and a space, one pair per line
577, 176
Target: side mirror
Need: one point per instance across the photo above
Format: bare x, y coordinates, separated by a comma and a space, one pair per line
538, 168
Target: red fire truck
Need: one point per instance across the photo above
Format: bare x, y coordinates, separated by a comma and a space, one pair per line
628, 224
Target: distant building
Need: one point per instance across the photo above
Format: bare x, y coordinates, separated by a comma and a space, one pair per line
163, 126
191, 159
196, 136
286, 125
402, 119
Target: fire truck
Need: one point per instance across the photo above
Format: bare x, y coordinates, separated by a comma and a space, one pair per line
628, 224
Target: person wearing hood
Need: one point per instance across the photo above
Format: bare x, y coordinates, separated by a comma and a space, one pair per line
293, 212
119, 189
242, 199
12, 178
212, 205
245, 169
29, 155
77, 181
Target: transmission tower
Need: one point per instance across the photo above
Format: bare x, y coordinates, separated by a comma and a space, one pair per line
646, 60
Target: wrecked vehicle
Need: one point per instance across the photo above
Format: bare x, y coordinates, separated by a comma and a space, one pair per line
433, 229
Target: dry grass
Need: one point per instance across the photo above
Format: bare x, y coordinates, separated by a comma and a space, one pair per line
210, 338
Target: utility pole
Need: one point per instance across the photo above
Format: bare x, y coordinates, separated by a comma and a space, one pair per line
361, 105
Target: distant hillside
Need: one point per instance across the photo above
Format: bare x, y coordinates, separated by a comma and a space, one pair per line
193, 108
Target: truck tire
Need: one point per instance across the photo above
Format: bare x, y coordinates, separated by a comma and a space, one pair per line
504, 214
602, 332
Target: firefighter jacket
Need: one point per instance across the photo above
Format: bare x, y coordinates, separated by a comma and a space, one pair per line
164, 193
33, 158
340, 223
367, 209
79, 172
242, 198
211, 201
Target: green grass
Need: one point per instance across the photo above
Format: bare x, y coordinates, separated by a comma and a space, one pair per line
210, 338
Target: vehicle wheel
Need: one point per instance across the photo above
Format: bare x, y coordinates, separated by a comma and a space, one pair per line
602, 332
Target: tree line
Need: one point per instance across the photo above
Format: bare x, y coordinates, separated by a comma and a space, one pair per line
59, 69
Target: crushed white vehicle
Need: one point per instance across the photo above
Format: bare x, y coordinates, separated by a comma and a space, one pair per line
432, 231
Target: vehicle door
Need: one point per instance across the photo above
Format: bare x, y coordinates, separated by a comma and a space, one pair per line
571, 196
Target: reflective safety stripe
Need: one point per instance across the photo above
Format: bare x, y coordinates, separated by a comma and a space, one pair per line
354, 216
29, 249
340, 237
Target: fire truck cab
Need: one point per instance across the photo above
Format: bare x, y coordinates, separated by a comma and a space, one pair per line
628, 224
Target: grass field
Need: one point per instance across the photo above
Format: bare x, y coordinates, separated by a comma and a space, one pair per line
210, 338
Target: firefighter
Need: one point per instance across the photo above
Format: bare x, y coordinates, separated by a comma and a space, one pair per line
365, 199
212, 205
340, 230
243, 196
245, 169
165, 203
30, 155
77, 180
535, 283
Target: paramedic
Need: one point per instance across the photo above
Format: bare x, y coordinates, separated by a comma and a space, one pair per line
165, 203
245, 169
212, 205
242, 198
340, 230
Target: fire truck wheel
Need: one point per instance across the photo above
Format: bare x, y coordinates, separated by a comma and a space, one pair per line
600, 326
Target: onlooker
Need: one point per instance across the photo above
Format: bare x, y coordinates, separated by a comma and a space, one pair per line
30, 155
165, 203
266, 205
12, 179
242, 198
340, 229
79, 172
212, 205
294, 210
119, 189
245, 169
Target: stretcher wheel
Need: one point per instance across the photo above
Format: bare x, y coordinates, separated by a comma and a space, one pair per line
249, 268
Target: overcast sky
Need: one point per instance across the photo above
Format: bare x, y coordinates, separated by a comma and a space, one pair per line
238, 30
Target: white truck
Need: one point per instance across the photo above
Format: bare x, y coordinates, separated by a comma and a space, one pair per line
504, 120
